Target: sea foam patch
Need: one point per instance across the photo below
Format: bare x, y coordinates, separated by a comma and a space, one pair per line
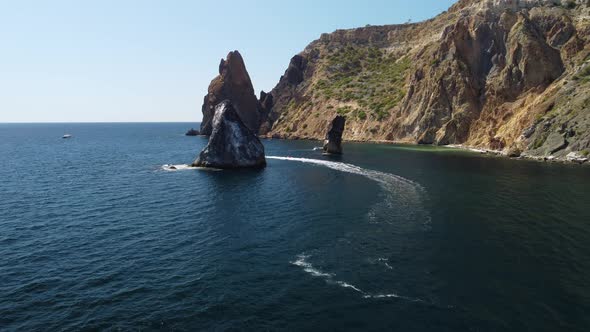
403, 197
385, 178
172, 168
184, 167
330, 278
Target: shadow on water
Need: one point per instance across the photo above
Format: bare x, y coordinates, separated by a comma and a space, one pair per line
332, 157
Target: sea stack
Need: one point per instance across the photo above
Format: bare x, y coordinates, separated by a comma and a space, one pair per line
231, 143
233, 84
333, 143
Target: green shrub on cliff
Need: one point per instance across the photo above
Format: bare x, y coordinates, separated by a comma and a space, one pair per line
344, 110
583, 75
365, 75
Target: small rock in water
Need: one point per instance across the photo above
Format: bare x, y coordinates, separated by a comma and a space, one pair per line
192, 132
231, 144
333, 143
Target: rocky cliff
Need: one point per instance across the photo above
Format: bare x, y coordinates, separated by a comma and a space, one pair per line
233, 84
496, 74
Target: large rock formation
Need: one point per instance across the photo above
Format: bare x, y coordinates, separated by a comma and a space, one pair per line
231, 144
233, 84
333, 142
490, 74
285, 93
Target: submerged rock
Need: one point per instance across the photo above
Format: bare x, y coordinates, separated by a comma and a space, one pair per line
333, 143
231, 144
192, 132
233, 84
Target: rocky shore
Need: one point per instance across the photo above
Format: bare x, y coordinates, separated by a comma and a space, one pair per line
499, 78
496, 77
573, 158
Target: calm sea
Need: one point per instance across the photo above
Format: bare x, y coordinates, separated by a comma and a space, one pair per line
96, 235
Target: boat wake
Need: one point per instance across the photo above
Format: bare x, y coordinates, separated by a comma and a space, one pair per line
401, 211
184, 167
403, 197
330, 278
174, 168
384, 178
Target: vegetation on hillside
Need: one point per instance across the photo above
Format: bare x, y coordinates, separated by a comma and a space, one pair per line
365, 75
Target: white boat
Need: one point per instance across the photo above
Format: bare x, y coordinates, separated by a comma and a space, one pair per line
67, 136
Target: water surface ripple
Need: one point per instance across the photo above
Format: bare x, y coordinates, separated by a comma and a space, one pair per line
96, 235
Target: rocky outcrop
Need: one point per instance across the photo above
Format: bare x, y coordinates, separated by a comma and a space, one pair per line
231, 144
192, 132
266, 102
333, 142
285, 93
496, 75
233, 84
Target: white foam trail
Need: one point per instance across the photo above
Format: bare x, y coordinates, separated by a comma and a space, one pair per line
346, 285
380, 177
173, 168
301, 261
307, 267
184, 167
394, 296
402, 196
385, 262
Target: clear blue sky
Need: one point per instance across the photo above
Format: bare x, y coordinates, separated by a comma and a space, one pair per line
147, 60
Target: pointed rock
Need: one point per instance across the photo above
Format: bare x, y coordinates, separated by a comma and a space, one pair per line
333, 143
231, 144
233, 84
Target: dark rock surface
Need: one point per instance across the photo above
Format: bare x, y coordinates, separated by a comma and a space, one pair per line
231, 144
192, 132
265, 105
333, 143
233, 84
514, 152
283, 94
294, 73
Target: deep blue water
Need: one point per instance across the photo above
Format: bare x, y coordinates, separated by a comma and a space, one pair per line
94, 234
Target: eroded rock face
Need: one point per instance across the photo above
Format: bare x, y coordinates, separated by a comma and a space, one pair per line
233, 84
477, 75
265, 105
231, 144
333, 142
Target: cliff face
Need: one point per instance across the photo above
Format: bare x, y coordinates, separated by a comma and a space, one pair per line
491, 74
